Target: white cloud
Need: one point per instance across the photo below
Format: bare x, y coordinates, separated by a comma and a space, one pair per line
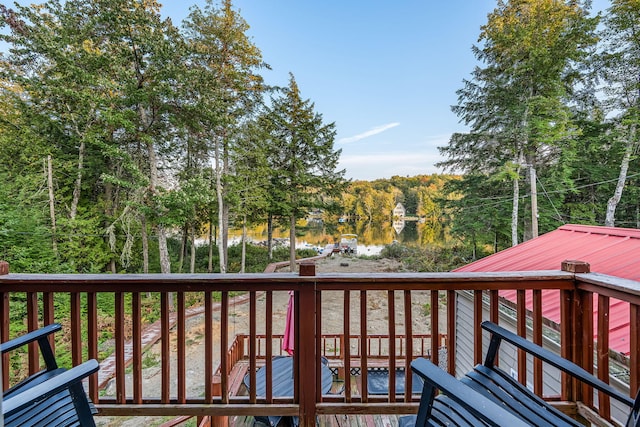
376, 130
385, 165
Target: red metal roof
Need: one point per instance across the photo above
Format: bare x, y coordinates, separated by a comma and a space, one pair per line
609, 250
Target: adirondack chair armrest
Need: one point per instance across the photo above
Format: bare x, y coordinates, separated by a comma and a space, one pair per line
70, 379
30, 337
42, 337
476, 404
499, 334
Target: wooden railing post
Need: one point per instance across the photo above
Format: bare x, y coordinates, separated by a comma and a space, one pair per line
220, 420
570, 319
305, 348
4, 268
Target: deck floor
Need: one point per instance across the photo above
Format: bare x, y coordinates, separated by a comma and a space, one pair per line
336, 420
329, 421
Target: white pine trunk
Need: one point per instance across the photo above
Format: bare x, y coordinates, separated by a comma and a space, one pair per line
514, 212
218, 166
612, 204
292, 243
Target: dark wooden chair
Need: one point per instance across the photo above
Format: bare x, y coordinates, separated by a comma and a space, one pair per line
59, 401
51, 369
53, 396
496, 384
456, 405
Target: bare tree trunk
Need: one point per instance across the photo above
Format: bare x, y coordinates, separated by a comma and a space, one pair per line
145, 244
183, 247
612, 204
78, 184
165, 262
292, 243
218, 165
244, 244
210, 263
224, 241
52, 205
514, 212
534, 201
270, 237
192, 267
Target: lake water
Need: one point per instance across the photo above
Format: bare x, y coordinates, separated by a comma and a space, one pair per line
372, 237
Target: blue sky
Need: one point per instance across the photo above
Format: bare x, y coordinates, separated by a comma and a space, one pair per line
385, 72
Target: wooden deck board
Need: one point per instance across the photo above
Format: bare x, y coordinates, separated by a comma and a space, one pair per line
332, 421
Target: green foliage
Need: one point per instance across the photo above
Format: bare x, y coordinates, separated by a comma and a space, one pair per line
516, 103
301, 157
374, 201
111, 92
394, 251
429, 259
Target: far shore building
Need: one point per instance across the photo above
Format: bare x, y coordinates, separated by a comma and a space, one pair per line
399, 211
609, 250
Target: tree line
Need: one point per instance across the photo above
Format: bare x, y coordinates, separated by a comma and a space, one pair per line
119, 127
552, 111
120, 130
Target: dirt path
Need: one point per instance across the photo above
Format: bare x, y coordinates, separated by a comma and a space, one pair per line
377, 322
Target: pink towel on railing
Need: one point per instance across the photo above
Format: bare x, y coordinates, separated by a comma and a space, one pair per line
287, 341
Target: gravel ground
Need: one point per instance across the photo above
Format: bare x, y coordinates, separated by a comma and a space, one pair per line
332, 303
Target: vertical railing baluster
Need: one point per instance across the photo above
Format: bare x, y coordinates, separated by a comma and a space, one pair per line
92, 341
566, 340
494, 312
586, 352
32, 325
537, 338
181, 349
363, 347
603, 353
451, 331
119, 347
318, 343
48, 312
634, 349
269, 347
208, 349
76, 329
48, 316
4, 336
136, 345
165, 349
252, 348
477, 330
392, 345
224, 346
408, 354
435, 327
494, 306
346, 345
521, 310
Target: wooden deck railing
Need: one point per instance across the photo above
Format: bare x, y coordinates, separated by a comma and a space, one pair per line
401, 292
332, 346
